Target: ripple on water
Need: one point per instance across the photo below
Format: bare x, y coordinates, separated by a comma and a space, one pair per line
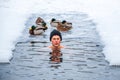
82, 57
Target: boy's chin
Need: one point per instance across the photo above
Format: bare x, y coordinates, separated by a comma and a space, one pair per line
56, 45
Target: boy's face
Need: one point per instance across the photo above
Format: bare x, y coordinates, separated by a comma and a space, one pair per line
56, 40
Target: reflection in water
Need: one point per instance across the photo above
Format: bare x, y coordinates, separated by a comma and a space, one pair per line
32, 44
56, 58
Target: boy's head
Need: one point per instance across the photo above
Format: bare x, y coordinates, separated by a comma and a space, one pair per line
55, 38
55, 32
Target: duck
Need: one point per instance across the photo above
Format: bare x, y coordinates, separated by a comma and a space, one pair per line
54, 22
42, 25
39, 29
31, 30
64, 26
39, 20
64, 22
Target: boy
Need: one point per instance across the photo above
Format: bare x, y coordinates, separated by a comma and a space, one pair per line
55, 38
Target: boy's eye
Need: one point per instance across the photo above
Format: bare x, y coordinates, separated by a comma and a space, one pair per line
57, 38
54, 39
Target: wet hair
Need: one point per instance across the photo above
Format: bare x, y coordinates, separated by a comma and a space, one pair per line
55, 32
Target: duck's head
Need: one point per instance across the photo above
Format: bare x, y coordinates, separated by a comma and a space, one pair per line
43, 23
53, 19
33, 27
64, 21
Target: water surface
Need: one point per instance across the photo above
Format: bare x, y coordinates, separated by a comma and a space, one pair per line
81, 59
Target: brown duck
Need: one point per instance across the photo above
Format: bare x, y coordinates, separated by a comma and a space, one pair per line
64, 26
54, 22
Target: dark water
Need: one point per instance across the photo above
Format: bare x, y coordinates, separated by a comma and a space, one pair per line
81, 59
